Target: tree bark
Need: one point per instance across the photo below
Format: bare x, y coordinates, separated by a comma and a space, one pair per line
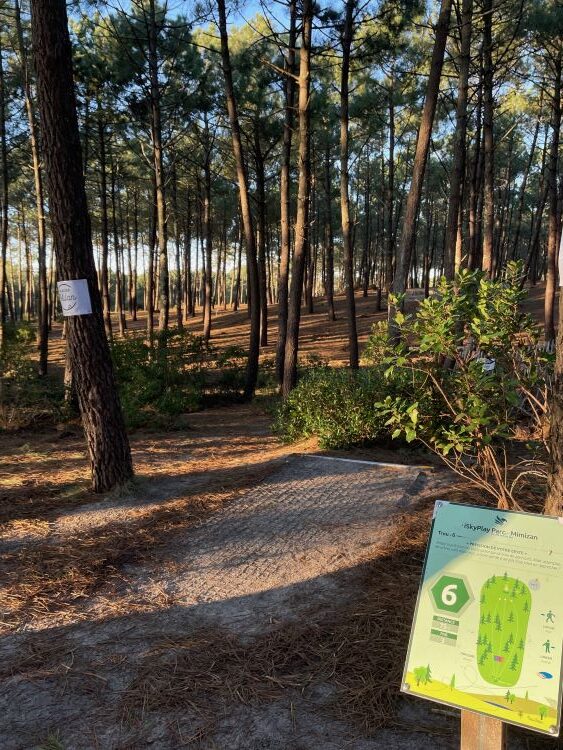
554, 499
4, 289
460, 143
552, 232
303, 194
329, 238
43, 308
156, 132
261, 235
252, 264
421, 156
108, 445
347, 36
285, 193
105, 222
488, 139
208, 232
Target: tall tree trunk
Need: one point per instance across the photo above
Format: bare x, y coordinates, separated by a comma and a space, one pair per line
179, 287
390, 193
237, 290
105, 222
488, 139
4, 290
252, 264
188, 290
108, 446
553, 227
150, 265
43, 308
421, 155
261, 234
208, 232
285, 192
329, 237
303, 193
347, 35
156, 132
116, 249
554, 499
459, 143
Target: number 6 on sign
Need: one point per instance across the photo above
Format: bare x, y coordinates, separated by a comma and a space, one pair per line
449, 596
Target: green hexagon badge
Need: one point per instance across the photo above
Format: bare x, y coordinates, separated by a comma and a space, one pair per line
451, 594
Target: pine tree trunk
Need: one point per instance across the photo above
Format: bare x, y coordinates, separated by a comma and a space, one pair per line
554, 499
208, 232
179, 286
488, 139
108, 445
347, 36
252, 264
285, 193
553, 227
421, 155
261, 235
105, 222
156, 133
459, 144
4, 290
303, 194
43, 309
116, 249
329, 238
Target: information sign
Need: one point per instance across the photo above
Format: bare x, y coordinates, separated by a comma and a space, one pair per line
487, 634
75, 297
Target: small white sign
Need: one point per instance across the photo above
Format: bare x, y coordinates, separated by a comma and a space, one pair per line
561, 262
74, 297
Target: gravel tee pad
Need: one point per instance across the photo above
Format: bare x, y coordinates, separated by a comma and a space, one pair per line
315, 516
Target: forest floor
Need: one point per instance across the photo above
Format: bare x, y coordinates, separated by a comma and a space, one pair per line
240, 594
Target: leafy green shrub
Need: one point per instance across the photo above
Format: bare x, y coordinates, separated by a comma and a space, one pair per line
166, 380
230, 364
478, 377
25, 398
336, 405
465, 377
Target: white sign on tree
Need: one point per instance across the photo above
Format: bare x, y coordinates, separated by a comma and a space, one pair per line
74, 297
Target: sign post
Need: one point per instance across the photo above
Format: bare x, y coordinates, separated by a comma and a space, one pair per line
487, 634
481, 732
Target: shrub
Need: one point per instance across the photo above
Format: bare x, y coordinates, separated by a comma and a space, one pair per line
166, 380
478, 377
25, 398
465, 377
336, 405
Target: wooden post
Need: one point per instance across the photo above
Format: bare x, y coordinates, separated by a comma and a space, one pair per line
481, 732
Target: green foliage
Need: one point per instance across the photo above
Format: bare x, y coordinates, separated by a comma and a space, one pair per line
230, 364
25, 398
476, 375
463, 377
335, 405
161, 382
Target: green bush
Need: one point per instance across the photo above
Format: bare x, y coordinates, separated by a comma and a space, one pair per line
464, 375
25, 398
478, 377
337, 406
167, 380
